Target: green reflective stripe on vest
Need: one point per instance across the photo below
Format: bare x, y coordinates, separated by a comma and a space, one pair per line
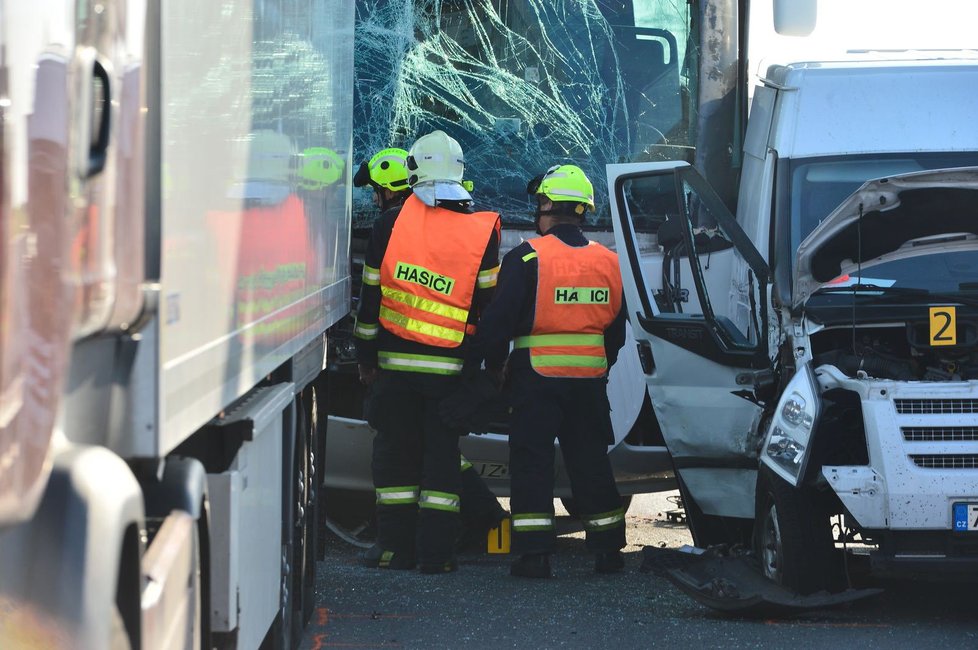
604, 520
424, 304
421, 327
464, 463
433, 500
530, 256
487, 278
533, 521
419, 363
371, 275
402, 494
549, 340
567, 360
365, 331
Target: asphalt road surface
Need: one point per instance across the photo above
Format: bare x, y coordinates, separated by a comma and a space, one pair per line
481, 606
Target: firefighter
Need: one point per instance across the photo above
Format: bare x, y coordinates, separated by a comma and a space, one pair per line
559, 299
429, 271
387, 173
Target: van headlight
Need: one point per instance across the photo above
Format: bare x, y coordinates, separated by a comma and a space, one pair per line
786, 448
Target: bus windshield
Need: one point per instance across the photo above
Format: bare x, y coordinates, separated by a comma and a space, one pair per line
526, 84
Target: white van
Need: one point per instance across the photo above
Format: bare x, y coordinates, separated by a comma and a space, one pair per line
813, 363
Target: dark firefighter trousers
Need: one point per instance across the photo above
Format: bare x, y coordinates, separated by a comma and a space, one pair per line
415, 466
577, 413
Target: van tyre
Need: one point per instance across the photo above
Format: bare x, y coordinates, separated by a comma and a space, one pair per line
793, 536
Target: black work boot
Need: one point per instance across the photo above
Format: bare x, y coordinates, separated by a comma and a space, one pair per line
608, 561
377, 558
448, 566
534, 565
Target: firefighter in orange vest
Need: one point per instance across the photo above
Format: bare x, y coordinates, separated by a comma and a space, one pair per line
387, 173
429, 271
559, 299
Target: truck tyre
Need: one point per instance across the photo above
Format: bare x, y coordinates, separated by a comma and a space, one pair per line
286, 630
320, 411
306, 536
793, 536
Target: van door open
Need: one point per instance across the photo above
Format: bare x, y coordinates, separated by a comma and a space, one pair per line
701, 327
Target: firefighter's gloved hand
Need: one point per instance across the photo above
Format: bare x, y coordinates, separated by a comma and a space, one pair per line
473, 403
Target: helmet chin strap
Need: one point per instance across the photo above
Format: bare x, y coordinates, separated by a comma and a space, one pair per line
536, 219
388, 201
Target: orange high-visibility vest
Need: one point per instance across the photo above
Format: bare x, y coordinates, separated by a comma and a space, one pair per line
578, 297
428, 274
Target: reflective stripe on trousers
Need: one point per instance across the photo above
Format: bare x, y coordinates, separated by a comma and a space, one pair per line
439, 501
390, 496
527, 521
604, 520
419, 363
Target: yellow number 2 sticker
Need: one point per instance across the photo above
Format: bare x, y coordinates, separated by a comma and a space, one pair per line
943, 326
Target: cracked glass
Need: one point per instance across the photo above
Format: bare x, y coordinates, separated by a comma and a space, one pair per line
526, 84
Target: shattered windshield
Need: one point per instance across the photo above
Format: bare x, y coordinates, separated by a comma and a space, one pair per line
526, 84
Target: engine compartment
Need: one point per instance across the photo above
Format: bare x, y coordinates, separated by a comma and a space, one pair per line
900, 351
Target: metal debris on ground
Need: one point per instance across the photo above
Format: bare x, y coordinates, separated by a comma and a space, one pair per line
731, 581
678, 514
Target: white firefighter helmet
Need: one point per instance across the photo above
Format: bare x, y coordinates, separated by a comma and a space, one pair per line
435, 164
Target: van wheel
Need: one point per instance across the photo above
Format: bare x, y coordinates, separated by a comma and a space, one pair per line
793, 536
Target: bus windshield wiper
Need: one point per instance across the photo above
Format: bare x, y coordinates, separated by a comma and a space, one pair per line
903, 292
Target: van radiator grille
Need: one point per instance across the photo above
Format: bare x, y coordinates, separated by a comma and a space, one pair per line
949, 461
936, 406
940, 434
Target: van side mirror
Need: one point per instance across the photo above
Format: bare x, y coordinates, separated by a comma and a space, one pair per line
795, 17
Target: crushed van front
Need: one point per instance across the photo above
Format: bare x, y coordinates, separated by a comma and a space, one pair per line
917, 498
884, 290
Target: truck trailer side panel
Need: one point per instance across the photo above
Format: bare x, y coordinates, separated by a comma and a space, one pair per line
174, 185
254, 216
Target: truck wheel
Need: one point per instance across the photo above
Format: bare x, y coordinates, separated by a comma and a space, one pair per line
300, 522
308, 532
793, 536
320, 411
286, 630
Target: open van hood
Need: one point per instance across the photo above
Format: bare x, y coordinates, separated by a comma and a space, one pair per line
920, 213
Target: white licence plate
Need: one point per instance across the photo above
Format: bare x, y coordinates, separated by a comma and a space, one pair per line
965, 517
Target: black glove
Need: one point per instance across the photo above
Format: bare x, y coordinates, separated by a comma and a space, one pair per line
472, 406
